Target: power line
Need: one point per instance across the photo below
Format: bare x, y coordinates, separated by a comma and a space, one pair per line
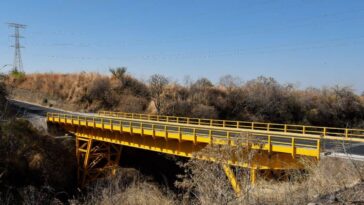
18, 63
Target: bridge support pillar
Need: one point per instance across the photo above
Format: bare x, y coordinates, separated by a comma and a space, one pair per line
232, 178
234, 181
253, 176
95, 159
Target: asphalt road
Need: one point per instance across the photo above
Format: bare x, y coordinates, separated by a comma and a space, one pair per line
26, 108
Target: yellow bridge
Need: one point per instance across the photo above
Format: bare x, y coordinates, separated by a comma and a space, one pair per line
99, 139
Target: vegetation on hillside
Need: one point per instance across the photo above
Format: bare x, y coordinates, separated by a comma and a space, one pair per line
3, 95
261, 99
31, 161
38, 169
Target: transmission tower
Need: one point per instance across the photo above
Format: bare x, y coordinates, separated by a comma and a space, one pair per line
18, 64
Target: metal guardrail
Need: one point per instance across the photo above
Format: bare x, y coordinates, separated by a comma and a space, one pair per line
294, 143
323, 132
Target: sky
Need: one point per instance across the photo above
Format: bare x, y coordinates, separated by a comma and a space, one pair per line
310, 43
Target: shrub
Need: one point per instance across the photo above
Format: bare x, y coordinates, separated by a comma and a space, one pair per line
3, 99
127, 187
29, 158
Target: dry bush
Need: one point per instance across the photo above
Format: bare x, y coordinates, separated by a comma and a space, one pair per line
203, 111
135, 87
206, 183
127, 187
131, 103
325, 177
3, 95
60, 88
28, 157
336, 106
261, 99
87, 91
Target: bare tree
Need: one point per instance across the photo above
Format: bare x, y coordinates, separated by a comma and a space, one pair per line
119, 73
157, 84
229, 81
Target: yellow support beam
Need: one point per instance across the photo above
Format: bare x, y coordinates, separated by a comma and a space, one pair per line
232, 178
98, 159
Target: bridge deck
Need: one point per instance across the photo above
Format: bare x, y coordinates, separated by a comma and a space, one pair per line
294, 144
332, 133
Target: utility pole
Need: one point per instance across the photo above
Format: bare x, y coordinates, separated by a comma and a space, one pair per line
18, 64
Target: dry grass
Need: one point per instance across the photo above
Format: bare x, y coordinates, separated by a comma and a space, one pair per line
205, 183
54, 89
130, 188
328, 176
81, 91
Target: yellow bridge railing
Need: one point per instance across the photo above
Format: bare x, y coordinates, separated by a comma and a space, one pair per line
345, 134
271, 141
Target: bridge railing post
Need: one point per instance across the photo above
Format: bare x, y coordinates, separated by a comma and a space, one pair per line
210, 136
141, 129
179, 134
194, 136
318, 148
293, 147
121, 126
153, 131
285, 128
325, 131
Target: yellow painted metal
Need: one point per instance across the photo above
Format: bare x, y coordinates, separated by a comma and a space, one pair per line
332, 133
95, 159
253, 176
260, 140
232, 178
96, 135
